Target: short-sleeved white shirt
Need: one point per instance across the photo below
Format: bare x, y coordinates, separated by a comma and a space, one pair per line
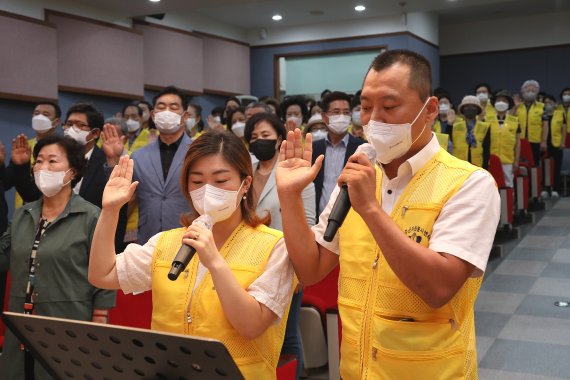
466, 226
272, 289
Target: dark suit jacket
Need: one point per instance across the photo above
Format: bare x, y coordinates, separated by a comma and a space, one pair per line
94, 181
319, 147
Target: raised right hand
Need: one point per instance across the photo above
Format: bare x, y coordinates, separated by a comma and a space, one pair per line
294, 171
21, 152
113, 145
120, 188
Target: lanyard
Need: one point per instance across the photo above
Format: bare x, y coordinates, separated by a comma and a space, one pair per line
29, 298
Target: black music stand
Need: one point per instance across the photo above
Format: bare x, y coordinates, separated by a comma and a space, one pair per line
71, 349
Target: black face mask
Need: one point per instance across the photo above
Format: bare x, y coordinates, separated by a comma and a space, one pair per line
263, 149
470, 112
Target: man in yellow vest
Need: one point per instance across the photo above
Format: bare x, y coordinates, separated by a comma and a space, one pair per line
505, 134
556, 141
483, 93
415, 244
530, 113
471, 137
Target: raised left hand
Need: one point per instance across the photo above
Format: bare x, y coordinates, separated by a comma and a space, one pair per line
202, 240
360, 177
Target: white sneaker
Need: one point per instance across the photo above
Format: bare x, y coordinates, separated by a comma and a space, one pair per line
555, 194
544, 194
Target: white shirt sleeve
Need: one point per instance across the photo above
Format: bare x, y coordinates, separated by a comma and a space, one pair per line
134, 266
466, 226
274, 287
320, 228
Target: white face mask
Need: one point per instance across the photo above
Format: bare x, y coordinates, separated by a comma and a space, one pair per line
501, 106
238, 128
297, 120
50, 183
167, 122
529, 96
190, 123
356, 118
218, 203
41, 123
78, 135
444, 108
391, 141
483, 97
566, 98
319, 135
339, 123
133, 125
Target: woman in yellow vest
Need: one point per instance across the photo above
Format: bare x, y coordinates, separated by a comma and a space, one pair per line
556, 141
565, 106
470, 137
483, 93
445, 119
238, 286
530, 113
505, 134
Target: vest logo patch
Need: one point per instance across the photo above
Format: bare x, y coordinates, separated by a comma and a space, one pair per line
417, 234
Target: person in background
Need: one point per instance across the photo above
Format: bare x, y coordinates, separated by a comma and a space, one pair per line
316, 127
5, 184
557, 126
272, 103
230, 104
337, 147
158, 165
46, 117
444, 121
293, 112
541, 96
146, 107
409, 274
215, 119
358, 132
265, 133
505, 134
325, 93
316, 109
484, 94
310, 103
471, 137
236, 121
254, 108
55, 231
530, 112
194, 123
238, 286
138, 136
565, 105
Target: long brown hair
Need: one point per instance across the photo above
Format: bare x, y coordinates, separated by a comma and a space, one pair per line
234, 152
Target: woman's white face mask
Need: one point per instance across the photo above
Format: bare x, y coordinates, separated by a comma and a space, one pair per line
218, 203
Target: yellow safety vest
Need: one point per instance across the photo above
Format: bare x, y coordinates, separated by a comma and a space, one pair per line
489, 111
18, 201
556, 126
388, 331
504, 140
533, 123
459, 142
442, 138
177, 309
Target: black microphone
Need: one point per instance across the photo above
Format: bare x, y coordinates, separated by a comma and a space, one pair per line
342, 204
186, 252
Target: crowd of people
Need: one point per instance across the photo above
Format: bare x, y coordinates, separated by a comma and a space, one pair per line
105, 205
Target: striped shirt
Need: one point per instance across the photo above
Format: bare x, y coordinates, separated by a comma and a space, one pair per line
334, 164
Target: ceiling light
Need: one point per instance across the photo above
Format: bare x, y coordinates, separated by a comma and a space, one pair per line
154, 1
360, 8
277, 17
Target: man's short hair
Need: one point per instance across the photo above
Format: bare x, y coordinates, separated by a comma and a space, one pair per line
171, 90
94, 117
119, 122
333, 96
420, 69
53, 104
139, 110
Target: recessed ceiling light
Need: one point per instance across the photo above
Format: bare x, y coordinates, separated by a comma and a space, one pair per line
154, 1
360, 8
277, 17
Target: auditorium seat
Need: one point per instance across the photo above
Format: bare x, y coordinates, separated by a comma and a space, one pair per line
132, 310
4, 308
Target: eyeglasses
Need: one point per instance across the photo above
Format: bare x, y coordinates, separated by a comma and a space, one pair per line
79, 124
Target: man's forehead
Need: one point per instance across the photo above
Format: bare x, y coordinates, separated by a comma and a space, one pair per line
169, 99
45, 107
